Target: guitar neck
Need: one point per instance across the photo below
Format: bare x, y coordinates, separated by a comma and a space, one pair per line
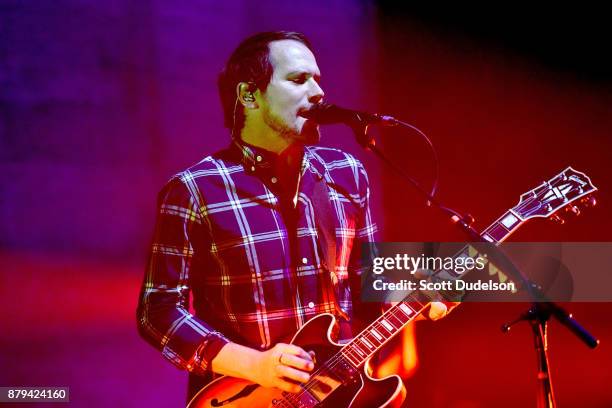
372, 338
566, 189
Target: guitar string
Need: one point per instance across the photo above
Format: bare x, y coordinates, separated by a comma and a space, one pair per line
335, 360
332, 363
540, 195
519, 208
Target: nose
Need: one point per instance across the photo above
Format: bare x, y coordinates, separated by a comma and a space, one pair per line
317, 93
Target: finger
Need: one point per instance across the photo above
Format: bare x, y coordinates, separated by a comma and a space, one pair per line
288, 386
298, 362
292, 373
313, 356
295, 350
437, 310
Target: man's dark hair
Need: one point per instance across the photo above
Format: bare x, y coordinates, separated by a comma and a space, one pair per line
250, 63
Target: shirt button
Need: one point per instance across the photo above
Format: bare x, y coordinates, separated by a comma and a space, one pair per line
252, 168
273, 180
258, 158
311, 305
304, 261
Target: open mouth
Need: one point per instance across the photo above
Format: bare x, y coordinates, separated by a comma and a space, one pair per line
301, 111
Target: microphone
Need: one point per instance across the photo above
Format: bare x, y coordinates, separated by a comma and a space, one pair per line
325, 114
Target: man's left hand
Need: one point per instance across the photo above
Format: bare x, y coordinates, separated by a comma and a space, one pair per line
438, 310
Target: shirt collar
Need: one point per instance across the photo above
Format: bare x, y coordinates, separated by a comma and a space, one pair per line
255, 159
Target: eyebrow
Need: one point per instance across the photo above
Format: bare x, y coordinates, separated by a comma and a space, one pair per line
317, 77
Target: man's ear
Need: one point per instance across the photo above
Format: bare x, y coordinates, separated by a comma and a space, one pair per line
245, 92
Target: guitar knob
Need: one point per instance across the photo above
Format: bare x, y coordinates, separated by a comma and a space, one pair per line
557, 219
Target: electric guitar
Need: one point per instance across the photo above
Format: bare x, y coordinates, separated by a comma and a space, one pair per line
340, 378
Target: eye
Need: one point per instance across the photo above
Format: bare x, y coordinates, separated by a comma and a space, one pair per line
299, 80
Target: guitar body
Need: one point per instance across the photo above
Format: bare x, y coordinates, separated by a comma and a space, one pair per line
360, 391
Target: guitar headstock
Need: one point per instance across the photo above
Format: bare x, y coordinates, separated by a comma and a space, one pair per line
569, 189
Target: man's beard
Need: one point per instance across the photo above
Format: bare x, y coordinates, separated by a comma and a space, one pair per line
309, 134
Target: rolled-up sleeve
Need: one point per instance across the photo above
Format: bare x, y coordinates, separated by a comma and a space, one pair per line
163, 315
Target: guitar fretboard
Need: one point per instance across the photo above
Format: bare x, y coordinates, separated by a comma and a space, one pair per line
381, 330
543, 201
397, 317
502, 227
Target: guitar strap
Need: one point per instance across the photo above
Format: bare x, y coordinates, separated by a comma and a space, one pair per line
324, 219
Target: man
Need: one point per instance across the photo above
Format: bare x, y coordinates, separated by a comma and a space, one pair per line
241, 231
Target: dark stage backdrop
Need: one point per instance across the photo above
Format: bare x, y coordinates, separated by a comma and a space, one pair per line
101, 102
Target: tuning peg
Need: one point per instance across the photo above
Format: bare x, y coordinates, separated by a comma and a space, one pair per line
589, 201
573, 209
557, 219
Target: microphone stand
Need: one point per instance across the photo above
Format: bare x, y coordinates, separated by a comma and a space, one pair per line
541, 309
538, 315
538, 319
368, 142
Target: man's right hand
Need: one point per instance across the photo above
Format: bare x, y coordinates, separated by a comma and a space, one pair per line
284, 366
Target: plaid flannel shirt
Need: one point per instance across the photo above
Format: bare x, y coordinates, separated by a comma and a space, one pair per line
221, 238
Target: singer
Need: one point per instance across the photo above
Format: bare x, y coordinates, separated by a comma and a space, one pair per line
263, 235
